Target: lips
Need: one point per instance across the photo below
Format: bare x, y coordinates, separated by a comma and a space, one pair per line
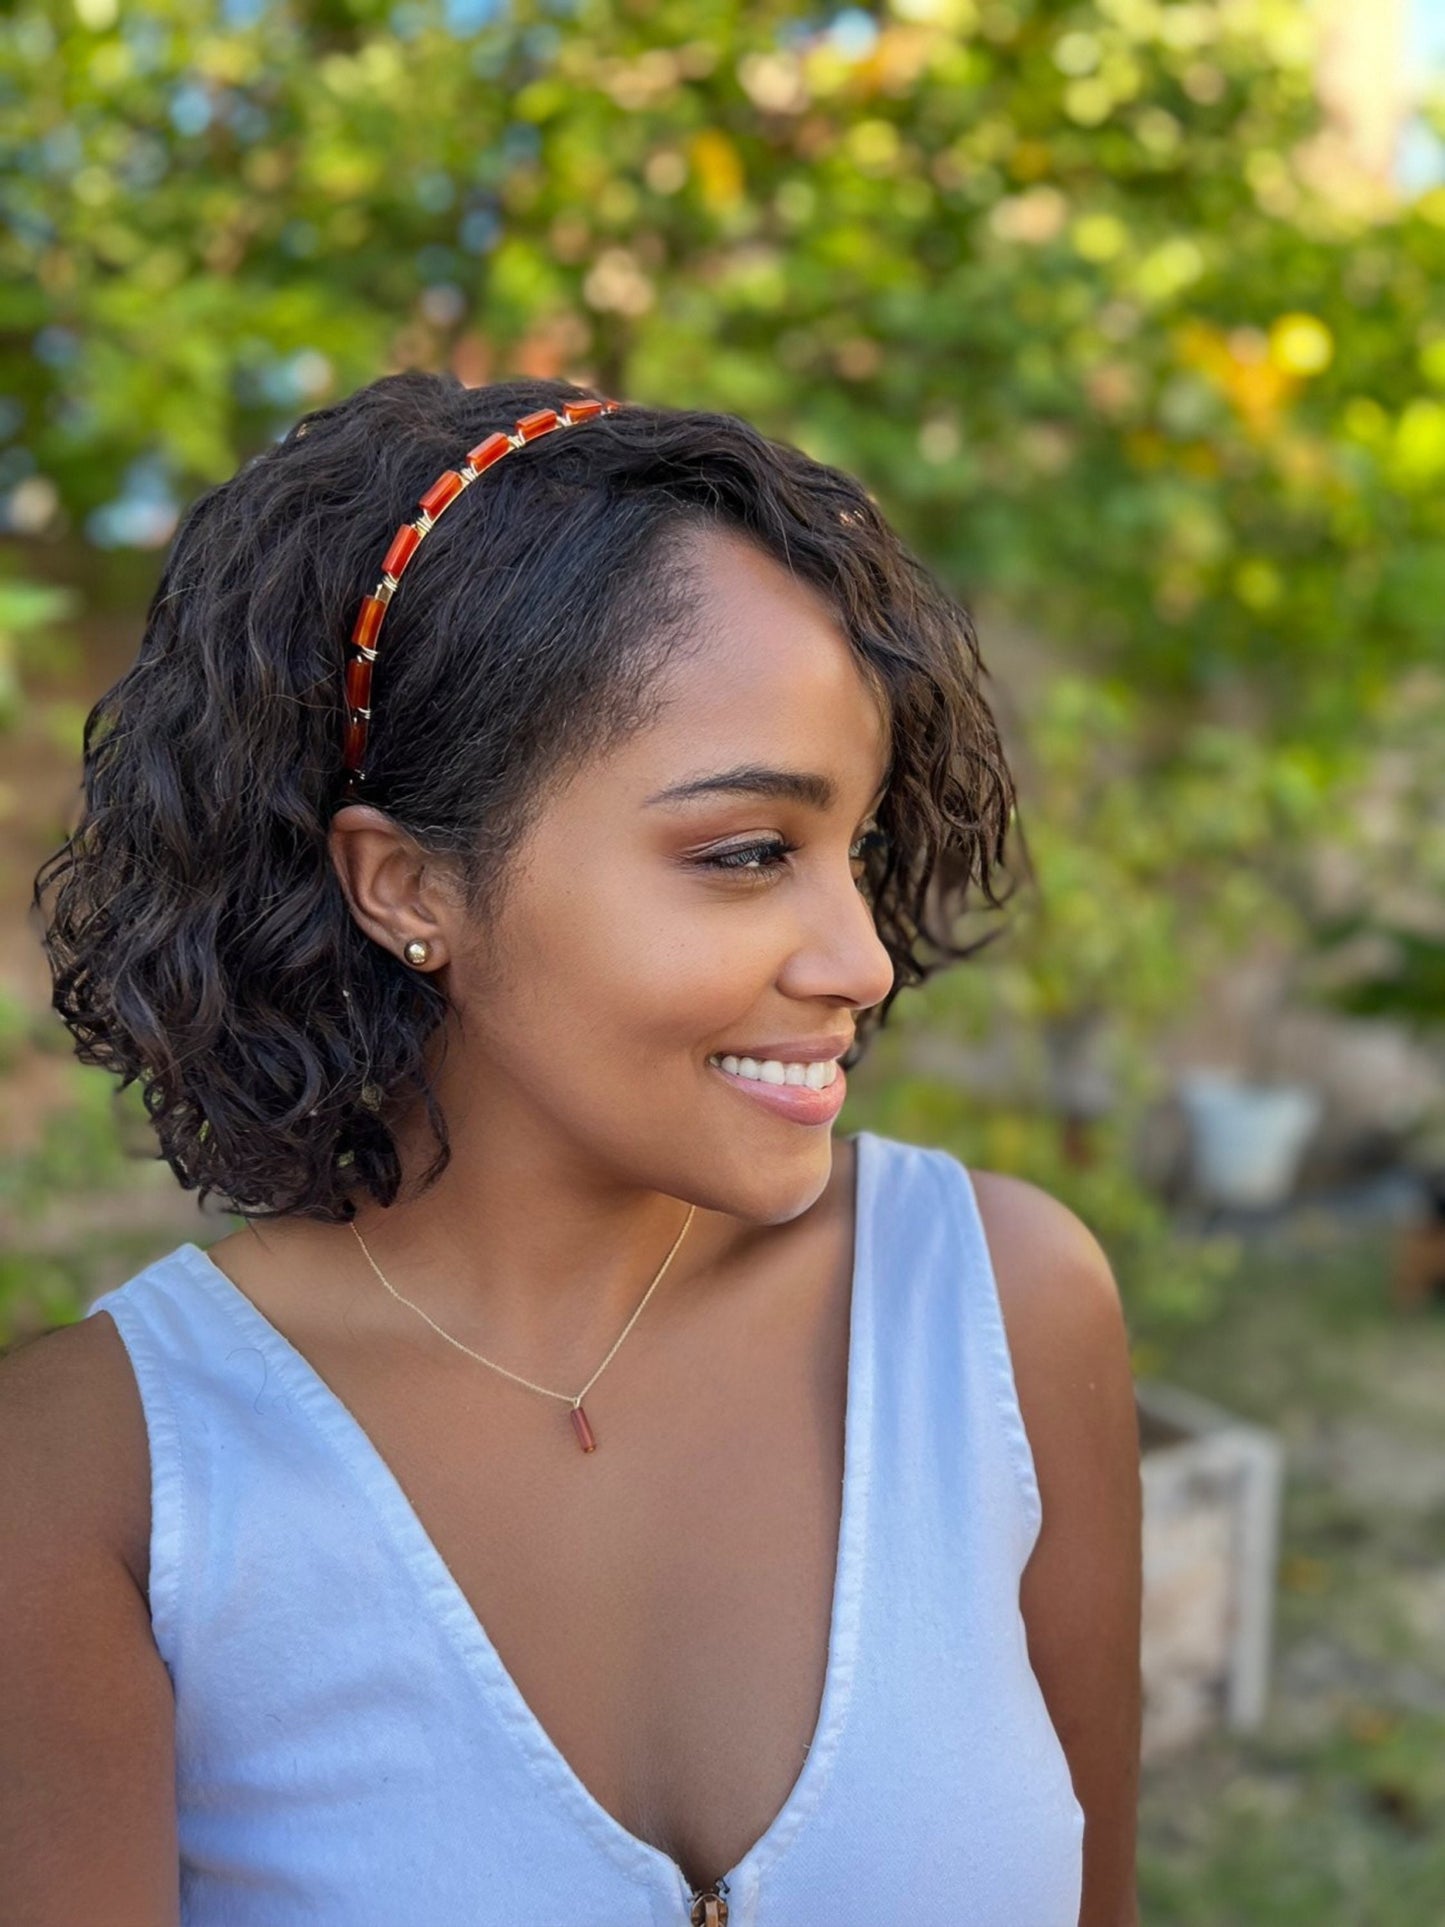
799, 1103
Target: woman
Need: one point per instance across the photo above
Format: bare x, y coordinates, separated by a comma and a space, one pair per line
585, 1489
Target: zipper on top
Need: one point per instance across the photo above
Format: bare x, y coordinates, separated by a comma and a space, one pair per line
709, 1905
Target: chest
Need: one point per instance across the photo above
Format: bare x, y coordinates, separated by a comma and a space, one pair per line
662, 1605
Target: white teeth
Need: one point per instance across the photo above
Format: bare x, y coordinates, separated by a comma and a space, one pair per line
817, 1077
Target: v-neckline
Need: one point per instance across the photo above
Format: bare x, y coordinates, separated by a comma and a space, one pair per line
642, 1860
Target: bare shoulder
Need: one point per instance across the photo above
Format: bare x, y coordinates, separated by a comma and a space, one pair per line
71, 1418
1044, 1255
1081, 1591
1065, 1323
87, 1715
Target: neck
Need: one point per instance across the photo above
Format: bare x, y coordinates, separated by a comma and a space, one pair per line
537, 1268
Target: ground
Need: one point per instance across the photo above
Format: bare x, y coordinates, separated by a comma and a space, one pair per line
1333, 1814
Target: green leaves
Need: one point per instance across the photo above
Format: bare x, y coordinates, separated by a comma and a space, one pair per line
1046, 275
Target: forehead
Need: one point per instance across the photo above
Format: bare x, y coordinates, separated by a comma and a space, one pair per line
766, 672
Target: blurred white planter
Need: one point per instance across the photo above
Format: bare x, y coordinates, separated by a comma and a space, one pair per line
1211, 1488
1246, 1140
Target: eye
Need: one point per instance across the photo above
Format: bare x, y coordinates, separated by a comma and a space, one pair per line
750, 859
874, 839
759, 860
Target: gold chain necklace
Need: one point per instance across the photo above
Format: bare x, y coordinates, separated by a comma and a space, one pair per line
580, 1426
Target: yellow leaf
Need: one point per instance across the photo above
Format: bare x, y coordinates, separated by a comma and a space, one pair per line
719, 169
1300, 345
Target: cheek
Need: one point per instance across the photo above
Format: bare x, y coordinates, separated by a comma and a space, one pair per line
663, 988
653, 972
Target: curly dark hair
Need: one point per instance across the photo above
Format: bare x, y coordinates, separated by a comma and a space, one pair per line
200, 941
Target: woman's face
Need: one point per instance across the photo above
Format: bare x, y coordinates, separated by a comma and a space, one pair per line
644, 933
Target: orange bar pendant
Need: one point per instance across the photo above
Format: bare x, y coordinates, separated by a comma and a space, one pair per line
583, 1430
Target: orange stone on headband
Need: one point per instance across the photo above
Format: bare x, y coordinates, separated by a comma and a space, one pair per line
368, 622
531, 426
403, 548
487, 452
444, 490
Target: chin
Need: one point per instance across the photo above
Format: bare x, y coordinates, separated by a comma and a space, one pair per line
763, 1189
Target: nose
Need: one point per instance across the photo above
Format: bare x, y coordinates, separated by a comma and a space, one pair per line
840, 954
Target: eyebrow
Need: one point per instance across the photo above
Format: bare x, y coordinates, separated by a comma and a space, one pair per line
757, 779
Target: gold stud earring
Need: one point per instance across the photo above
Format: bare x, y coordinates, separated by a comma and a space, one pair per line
417, 952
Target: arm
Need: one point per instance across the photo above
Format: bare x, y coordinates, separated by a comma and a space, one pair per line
87, 1822
1081, 1590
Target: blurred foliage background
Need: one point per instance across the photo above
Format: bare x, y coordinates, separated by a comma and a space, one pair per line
1090, 294
1134, 365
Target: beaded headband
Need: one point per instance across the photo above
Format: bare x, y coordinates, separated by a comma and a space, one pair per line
433, 505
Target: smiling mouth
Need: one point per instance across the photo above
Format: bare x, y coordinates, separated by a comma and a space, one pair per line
777, 1073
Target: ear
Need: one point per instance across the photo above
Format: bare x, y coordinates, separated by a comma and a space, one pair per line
394, 889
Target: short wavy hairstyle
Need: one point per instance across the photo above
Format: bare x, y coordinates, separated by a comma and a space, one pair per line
198, 937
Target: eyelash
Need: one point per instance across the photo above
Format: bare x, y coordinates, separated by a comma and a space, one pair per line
777, 853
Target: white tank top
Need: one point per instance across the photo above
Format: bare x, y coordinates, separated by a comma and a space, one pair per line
351, 1752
